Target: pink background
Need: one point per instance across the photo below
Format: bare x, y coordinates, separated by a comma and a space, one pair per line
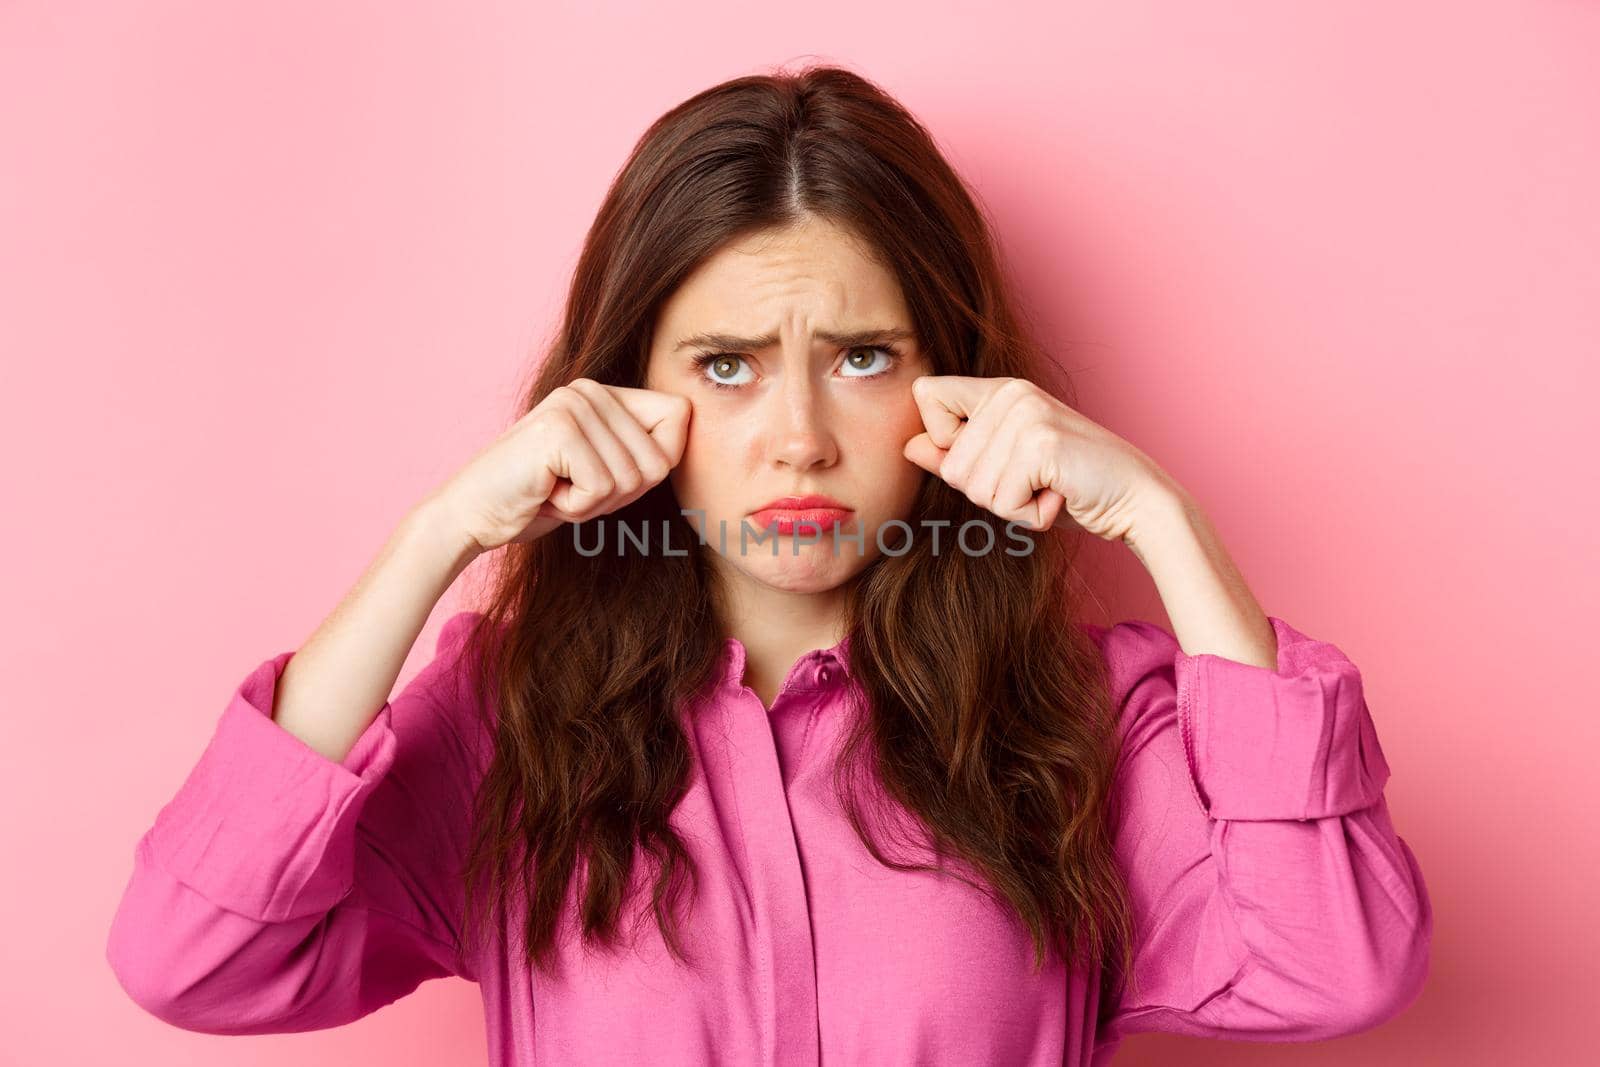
269, 272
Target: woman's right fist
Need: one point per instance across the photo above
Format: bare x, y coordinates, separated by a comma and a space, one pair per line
585, 450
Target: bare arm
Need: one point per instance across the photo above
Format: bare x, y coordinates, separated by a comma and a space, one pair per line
585, 450
340, 677
1211, 608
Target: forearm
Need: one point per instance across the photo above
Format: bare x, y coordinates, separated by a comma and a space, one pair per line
1207, 600
339, 679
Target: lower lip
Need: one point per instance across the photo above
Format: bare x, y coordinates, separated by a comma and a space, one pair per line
806, 520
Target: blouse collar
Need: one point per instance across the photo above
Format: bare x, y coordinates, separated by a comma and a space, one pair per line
817, 669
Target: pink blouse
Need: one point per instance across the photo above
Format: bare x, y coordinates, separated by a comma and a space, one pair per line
281, 891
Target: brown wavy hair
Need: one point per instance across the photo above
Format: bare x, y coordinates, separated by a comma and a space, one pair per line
997, 735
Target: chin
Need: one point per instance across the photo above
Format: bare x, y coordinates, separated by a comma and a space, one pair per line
812, 571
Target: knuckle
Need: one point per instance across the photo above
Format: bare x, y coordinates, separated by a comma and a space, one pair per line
678, 408
1033, 402
656, 468
630, 481
1038, 433
1015, 388
560, 397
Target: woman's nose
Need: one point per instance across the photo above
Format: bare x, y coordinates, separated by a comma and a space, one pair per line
804, 436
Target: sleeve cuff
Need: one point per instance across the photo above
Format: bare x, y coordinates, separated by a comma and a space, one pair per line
1292, 743
264, 825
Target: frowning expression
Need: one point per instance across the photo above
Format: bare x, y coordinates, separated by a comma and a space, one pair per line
797, 351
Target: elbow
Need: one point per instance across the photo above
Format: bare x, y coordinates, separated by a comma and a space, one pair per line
151, 950
1383, 1000
1393, 980
1367, 999
154, 982
1390, 978
138, 969
200, 967
1408, 969
1361, 990
1406, 975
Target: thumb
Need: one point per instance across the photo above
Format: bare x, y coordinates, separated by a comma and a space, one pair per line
664, 416
924, 453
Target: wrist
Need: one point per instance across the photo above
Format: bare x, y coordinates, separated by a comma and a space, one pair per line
434, 526
1161, 511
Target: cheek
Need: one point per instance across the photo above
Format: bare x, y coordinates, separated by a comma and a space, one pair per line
893, 423
883, 442
711, 452
691, 473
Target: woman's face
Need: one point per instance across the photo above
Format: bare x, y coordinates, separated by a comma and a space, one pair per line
809, 393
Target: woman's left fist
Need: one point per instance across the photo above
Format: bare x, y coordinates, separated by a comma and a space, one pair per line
1019, 452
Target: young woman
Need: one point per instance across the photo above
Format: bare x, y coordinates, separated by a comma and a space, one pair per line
779, 738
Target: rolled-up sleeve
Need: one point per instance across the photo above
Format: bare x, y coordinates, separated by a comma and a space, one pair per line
1272, 898
279, 890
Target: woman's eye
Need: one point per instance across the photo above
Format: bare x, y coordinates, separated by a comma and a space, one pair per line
728, 370
721, 369
864, 360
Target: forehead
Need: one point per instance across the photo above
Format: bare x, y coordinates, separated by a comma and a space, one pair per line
815, 270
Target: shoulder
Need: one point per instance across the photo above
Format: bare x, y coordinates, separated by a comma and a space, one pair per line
1146, 672
1131, 639
445, 679
1137, 654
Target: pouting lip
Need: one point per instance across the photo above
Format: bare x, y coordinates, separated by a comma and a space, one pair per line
802, 503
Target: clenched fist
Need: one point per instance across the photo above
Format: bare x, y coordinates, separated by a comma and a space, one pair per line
1017, 451
585, 450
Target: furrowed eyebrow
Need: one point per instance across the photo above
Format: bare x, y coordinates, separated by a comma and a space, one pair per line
729, 343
